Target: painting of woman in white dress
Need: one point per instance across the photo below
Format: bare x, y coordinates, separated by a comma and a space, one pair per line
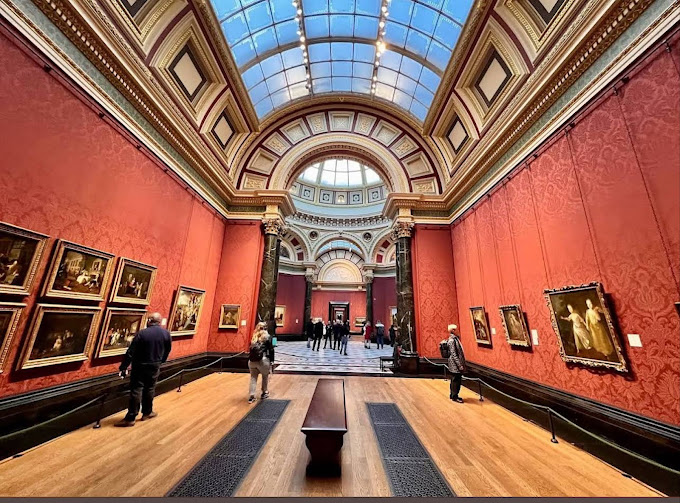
584, 328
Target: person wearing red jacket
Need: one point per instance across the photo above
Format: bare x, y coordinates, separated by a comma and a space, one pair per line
368, 330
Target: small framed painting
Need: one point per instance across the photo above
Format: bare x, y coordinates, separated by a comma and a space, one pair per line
359, 321
230, 316
280, 315
59, 334
20, 253
133, 282
480, 325
9, 319
78, 272
119, 328
186, 311
393, 315
515, 326
583, 326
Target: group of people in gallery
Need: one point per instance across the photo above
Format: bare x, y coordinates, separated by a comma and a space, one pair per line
337, 333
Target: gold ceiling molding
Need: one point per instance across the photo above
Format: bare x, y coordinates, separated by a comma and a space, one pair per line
151, 25
268, 198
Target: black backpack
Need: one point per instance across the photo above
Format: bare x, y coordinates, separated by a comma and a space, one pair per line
256, 352
444, 349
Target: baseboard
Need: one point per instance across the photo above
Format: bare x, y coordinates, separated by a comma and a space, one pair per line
645, 436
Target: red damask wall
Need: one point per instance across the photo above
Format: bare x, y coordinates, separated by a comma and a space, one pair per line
68, 174
434, 286
356, 299
384, 297
601, 203
290, 292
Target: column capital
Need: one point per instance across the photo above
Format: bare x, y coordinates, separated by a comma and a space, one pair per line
273, 225
402, 229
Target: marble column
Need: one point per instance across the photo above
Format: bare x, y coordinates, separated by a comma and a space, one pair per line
309, 283
266, 302
402, 232
369, 300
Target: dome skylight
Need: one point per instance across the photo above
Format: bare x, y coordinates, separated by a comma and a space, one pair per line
340, 173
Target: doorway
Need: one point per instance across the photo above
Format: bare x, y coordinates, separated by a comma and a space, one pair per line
338, 310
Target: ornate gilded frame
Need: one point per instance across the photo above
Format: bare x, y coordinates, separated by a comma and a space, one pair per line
6, 338
111, 311
173, 313
486, 325
41, 310
283, 317
25, 288
621, 364
62, 246
525, 331
122, 262
238, 315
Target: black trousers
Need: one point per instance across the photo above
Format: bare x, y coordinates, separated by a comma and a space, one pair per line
456, 380
317, 343
142, 388
381, 343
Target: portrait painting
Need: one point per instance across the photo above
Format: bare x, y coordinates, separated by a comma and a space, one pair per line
59, 334
20, 253
9, 319
78, 272
280, 315
186, 311
230, 316
584, 328
480, 325
119, 328
133, 283
515, 326
393, 315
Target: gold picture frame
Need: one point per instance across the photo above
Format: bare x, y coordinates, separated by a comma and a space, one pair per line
52, 328
480, 325
10, 312
18, 269
359, 321
75, 269
515, 326
230, 316
280, 315
586, 335
143, 281
117, 342
185, 314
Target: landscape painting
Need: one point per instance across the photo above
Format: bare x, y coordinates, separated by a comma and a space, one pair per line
20, 253
78, 272
186, 311
584, 328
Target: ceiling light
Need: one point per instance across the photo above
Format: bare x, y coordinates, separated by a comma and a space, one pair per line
299, 11
381, 24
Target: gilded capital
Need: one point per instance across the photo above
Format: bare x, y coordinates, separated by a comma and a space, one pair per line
402, 229
273, 226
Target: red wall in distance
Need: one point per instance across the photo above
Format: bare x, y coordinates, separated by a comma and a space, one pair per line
237, 283
290, 292
434, 286
384, 297
356, 299
600, 204
68, 174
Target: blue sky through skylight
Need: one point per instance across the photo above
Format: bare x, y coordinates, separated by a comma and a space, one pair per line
341, 35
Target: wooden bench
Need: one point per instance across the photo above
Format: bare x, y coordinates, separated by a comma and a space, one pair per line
325, 425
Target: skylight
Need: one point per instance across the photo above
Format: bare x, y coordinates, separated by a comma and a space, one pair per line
340, 173
396, 50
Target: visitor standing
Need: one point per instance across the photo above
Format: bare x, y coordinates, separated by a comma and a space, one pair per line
337, 334
380, 335
393, 334
368, 331
456, 363
344, 339
148, 350
328, 335
318, 334
260, 360
309, 331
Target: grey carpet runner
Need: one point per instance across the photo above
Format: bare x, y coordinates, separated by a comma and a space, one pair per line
409, 467
221, 471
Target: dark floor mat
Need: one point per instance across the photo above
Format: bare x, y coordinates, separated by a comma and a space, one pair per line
409, 467
221, 471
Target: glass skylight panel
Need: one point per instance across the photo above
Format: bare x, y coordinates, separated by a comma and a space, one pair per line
341, 67
371, 176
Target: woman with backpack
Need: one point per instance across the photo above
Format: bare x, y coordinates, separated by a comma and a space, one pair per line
260, 360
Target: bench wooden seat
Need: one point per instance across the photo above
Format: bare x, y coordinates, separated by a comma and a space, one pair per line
325, 425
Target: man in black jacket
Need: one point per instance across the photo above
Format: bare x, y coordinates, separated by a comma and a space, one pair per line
149, 349
318, 334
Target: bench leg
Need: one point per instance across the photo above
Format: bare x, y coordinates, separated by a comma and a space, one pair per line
324, 448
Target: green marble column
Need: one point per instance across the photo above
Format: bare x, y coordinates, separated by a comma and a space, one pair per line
405, 305
266, 302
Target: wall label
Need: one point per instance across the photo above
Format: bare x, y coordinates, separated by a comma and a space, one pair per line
534, 337
634, 340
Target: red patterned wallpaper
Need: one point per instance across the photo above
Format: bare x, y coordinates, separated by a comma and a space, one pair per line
384, 297
237, 283
68, 174
434, 286
600, 204
321, 298
290, 292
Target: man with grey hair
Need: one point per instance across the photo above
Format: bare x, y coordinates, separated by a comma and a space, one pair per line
456, 363
148, 350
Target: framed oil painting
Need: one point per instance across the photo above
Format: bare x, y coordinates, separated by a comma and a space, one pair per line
9, 319
359, 321
78, 272
280, 315
59, 334
119, 328
133, 282
20, 253
515, 326
393, 315
480, 325
584, 328
230, 316
186, 311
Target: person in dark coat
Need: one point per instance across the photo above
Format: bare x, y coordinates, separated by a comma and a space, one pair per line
148, 350
318, 334
309, 331
456, 363
328, 334
393, 334
337, 333
344, 339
